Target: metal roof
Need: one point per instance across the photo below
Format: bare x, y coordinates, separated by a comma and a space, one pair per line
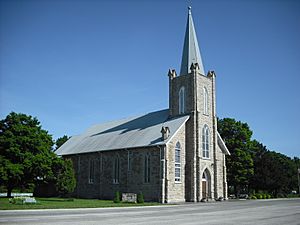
191, 53
140, 131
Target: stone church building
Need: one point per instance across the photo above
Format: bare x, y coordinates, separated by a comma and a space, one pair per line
171, 155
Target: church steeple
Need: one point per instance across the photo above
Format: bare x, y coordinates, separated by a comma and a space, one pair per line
191, 53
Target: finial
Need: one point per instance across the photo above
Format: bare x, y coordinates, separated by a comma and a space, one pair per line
172, 74
190, 9
194, 68
211, 73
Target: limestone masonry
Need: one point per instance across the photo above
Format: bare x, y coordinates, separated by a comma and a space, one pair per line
172, 155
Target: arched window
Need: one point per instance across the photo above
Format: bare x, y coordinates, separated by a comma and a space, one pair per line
116, 170
91, 171
147, 168
177, 162
181, 100
205, 101
205, 142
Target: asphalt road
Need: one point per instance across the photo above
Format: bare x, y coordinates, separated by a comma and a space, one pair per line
258, 212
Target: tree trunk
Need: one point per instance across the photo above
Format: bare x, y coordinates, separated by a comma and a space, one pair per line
9, 190
237, 190
235, 187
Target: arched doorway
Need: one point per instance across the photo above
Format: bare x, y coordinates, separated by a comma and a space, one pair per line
206, 186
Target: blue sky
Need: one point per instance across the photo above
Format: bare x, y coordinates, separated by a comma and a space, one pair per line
76, 63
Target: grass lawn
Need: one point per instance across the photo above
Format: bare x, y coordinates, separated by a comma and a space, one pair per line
61, 203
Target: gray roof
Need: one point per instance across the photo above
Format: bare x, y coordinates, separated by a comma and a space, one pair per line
140, 131
191, 53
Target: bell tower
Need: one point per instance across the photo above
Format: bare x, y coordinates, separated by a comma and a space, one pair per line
193, 93
182, 88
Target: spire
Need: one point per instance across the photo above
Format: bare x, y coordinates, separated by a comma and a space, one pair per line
191, 53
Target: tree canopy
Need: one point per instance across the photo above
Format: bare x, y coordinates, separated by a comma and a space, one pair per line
66, 181
273, 172
237, 136
26, 155
251, 167
60, 141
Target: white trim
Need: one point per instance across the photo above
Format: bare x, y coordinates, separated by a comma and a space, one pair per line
177, 165
222, 144
175, 133
206, 142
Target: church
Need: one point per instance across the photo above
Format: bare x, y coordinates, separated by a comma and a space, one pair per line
171, 155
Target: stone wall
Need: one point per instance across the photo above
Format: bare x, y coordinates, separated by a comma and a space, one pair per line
85, 188
176, 83
131, 180
190, 168
175, 189
194, 84
221, 168
162, 186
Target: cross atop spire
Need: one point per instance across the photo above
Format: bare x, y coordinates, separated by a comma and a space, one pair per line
191, 53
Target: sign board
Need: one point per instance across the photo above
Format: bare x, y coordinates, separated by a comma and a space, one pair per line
129, 197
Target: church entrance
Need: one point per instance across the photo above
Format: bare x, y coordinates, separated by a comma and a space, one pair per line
206, 185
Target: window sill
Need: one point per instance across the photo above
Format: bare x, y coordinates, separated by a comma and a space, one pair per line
204, 158
178, 182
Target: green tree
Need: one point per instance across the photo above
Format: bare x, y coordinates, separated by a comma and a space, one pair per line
257, 181
278, 171
239, 164
60, 183
273, 172
25, 151
60, 141
66, 181
296, 181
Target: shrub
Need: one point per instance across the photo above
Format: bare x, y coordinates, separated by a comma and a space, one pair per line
66, 181
140, 198
258, 196
253, 197
293, 195
280, 195
264, 196
17, 200
117, 198
268, 196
